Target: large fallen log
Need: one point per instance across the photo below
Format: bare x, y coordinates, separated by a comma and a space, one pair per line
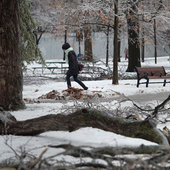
84, 118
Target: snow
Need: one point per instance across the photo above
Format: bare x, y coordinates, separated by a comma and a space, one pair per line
87, 137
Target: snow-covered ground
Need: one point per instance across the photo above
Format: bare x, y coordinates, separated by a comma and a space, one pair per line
89, 137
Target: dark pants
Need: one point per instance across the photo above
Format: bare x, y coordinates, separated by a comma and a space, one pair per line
76, 80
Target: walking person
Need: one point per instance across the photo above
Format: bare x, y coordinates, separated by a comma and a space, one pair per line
71, 59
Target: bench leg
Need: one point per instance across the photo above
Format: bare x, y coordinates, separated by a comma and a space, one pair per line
147, 82
138, 83
164, 83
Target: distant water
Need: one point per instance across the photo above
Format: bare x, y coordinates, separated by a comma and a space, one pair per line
51, 47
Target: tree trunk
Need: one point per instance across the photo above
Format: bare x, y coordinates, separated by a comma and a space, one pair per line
79, 119
133, 39
88, 54
65, 41
65, 36
79, 46
11, 79
79, 38
143, 48
115, 57
143, 41
155, 41
119, 49
107, 47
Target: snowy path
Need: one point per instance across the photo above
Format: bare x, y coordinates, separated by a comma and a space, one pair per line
140, 98
143, 98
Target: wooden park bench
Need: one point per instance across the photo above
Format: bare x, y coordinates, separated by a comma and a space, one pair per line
148, 73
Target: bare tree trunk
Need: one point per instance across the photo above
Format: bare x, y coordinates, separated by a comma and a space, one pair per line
11, 79
133, 38
88, 54
79, 38
119, 48
107, 46
38, 34
83, 118
143, 49
155, 41
143, 42
79, 47
65, 36
115, 58
65, 41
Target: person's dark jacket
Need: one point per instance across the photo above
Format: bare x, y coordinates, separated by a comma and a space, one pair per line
73, 63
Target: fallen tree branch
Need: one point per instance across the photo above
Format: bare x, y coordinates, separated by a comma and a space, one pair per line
160, 106
35, 162
85, 118
110, 154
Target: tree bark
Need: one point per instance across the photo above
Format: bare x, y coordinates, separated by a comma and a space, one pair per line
115, 57
88, 53
107, 46
119, 49
38, 34
11, 79
143, 49
155, 41
83, 118
133, 38
143, 41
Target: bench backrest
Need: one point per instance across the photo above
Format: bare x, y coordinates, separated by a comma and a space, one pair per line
150, 71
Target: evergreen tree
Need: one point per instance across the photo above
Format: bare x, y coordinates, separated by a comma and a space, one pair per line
29, 49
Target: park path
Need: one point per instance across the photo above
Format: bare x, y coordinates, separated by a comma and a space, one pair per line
144, 98
139, 98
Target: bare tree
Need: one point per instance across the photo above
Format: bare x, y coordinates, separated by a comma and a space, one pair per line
115, 57
78, 15
133, 36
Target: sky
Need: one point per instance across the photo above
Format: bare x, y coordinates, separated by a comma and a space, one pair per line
85, 137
